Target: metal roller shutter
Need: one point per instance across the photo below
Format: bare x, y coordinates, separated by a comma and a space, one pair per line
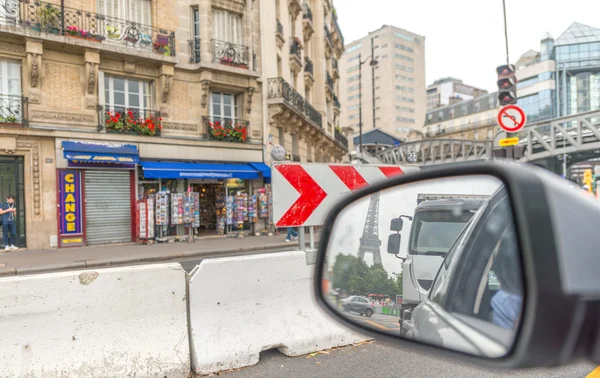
107, 207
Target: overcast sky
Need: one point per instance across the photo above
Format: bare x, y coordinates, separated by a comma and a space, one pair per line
465, 38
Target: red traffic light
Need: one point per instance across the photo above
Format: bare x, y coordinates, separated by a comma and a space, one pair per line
507, 98
506, 70
507, 83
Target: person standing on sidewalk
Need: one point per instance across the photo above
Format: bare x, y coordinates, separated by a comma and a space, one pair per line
291, 232
8, 215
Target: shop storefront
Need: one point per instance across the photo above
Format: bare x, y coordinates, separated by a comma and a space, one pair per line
12, 182
205, 199
96, 193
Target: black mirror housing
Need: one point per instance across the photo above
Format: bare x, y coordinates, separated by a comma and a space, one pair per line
393, 246
556, 231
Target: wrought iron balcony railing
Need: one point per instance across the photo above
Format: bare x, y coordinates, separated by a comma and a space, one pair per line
296, 48
336, 101
307, 12
279, 88
338, 30
13, 110
340, 138
329, 80
279, 27
308, 65
49, 18
119, 120
226, 129
230, 54
328, 35
194, 50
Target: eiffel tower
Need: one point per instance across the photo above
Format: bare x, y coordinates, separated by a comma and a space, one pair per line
369, 242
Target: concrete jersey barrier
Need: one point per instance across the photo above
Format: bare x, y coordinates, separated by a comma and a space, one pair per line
119, 322
240, 306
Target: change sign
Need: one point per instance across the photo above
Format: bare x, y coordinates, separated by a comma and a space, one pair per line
71, 215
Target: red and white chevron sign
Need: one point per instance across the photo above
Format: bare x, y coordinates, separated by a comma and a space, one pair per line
303, 194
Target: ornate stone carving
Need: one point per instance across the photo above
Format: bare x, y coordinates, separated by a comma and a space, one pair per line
111, 64
12, 48
41, 114
34, 148
165, 82
250, 93
34, 70
205, 88
230, 80
180, 126
91, 73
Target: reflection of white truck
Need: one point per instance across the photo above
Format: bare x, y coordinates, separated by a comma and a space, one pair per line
436, 223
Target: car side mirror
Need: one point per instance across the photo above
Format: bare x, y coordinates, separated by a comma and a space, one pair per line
396, 224
534, 235
393, 245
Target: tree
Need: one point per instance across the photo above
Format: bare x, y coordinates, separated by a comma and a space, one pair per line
349, 274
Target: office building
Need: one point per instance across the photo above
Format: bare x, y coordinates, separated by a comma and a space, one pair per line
393, 92
449, 90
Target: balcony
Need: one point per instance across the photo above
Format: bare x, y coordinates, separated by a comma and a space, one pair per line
295, 7
329, 81
117, 120
230, 54
225, 129
340, 138
338, 38
289, 111
280, 37
53, 19
328, 37
13, 110
336, 105
194, 50
307, 22
309, 78
295, 55
335, 69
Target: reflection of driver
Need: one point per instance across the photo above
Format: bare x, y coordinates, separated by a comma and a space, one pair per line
508, 301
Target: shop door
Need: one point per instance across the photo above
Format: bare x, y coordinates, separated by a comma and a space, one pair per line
107, 207
12, 182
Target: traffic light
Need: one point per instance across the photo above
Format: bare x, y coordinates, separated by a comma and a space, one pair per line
507, 85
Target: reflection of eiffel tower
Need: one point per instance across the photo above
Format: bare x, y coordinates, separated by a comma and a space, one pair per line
370, 243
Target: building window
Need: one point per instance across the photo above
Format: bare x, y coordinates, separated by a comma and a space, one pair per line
350, 98
404, 57
352, 78
404, 68
353, 48
402, 47
406, 109
352, 58
405, 78
404, 99
223, 106
404, 119
126, 94
353, 116
227, 27
10, 91
355, 68
139, 11
352, 88
405, 89
352, 107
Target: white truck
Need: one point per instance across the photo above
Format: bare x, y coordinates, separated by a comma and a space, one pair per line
436, 223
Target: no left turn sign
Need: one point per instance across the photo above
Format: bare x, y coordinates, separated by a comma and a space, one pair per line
511, 118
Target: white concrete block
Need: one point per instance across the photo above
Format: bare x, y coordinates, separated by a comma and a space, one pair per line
240, 306
118, 322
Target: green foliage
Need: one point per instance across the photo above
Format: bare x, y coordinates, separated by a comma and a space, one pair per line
355, 277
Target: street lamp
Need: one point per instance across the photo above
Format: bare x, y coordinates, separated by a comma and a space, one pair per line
373, 63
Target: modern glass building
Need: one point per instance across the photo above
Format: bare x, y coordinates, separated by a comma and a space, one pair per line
577, 54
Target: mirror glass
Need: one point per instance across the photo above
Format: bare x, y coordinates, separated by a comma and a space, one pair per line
436, 261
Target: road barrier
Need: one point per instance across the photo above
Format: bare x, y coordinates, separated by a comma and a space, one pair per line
116, 322
240, 306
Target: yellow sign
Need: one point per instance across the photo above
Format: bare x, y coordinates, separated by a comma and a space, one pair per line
509, 142
72, 241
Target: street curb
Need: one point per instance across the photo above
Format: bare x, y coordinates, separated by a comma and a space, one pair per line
124, 261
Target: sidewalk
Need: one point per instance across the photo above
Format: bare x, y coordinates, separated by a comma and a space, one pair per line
26, 262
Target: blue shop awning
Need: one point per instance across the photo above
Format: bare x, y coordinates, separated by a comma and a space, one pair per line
173, 170
262, 168
99, 152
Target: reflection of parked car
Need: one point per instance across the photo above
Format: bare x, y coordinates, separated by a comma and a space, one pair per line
482, 264
358, 304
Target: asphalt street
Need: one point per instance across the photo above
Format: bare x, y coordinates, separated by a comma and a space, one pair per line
189, 264
377, 359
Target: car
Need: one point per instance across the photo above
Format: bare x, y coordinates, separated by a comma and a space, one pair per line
359, 305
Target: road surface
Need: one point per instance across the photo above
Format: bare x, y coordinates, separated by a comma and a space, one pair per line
378, 360
189, 264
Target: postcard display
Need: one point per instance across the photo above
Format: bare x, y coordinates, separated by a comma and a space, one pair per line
146, 218
184, 209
